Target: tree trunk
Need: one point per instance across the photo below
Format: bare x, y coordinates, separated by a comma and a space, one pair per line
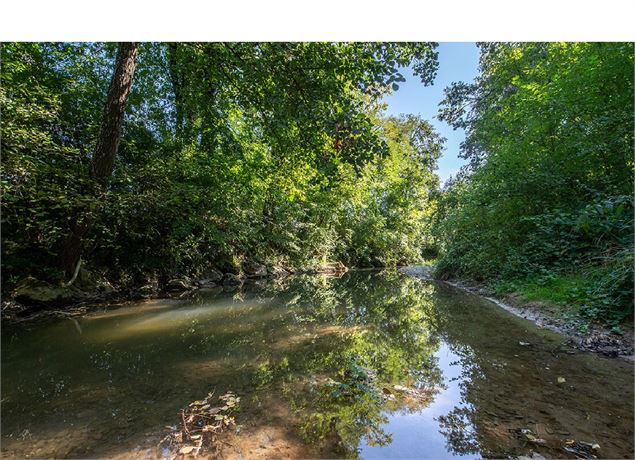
176, 77
71, 250
110, 131
106, 149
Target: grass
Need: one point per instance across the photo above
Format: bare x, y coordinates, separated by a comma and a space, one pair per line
590, 293
564, 290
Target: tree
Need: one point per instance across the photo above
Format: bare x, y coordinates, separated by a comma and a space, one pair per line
228, 152
106, 149
112, 120
549, 185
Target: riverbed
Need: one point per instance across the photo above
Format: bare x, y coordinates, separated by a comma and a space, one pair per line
374, 365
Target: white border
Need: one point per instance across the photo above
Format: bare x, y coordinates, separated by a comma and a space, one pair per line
298, 20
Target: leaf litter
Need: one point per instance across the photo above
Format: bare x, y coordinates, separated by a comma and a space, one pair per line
199, 427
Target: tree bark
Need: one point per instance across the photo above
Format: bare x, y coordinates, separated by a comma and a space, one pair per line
110, 131
106, 149
176, 77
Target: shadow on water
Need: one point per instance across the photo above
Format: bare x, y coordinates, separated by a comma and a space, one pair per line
370, 365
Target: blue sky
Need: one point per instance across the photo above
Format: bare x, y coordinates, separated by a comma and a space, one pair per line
457, 62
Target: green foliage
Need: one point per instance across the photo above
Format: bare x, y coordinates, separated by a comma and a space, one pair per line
386, 215
549, 185
45, 184
229, 152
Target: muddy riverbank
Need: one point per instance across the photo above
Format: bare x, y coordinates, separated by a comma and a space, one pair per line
594, 338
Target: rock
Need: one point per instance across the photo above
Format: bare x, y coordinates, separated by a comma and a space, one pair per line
532, 456
104, 287
530, 436
255, 270
149, 289
376, 263
32, 291
212, 275
258, 283
231, 279
211, 290
608, 344
581, 449
332, 268
278, 272
229, 267
207, 283
177, 285
91, 282
86, 280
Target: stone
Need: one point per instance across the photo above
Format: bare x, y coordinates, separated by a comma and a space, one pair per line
231, 279
207, 283
212, 275
177, 285
32, 291
255, 270
330, 268
91, 282
147, 290
258, 283
229, 267
104, 287
333, 267
278, 272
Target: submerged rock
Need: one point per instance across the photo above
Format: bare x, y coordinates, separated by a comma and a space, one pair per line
608, 344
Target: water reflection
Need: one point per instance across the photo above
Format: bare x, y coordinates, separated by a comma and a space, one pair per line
377, 365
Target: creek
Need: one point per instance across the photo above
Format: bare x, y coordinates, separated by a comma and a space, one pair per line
375, 365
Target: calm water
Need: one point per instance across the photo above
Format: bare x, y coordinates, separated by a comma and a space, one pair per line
321, 365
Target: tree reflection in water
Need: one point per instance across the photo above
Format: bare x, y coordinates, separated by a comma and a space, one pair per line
387, 338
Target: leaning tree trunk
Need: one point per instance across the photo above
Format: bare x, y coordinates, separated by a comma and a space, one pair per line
110, 131
106, 149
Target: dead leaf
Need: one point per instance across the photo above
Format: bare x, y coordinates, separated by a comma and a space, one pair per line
186, 450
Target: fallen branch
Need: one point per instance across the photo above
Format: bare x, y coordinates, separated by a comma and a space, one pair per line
79, 264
